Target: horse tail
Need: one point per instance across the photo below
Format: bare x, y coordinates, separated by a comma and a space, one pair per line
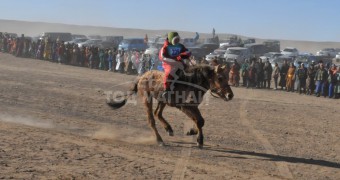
118, 104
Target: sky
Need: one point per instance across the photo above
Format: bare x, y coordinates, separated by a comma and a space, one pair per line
314, 20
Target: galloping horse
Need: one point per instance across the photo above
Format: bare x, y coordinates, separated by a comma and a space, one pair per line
189, 89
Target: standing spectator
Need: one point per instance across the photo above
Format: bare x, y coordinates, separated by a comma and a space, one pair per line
283, 74
120, 61
244, 72
337, 84
310, 83
267, 74
75, 55
106, 57
332, 80
48, 49
87, 56
101, 59
276, 73
114, 62
235, 74
290, 78
251, 75
152, 61
82, 56
20, 46
61, 53
5, 43
320, 78
94, 57
131, 58
326, 85
142, 64
302, 76
259, 74
110, 59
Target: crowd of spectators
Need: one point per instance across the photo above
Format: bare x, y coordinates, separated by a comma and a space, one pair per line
317, 79
109, 59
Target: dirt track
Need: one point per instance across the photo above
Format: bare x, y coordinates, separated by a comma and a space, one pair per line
54, 124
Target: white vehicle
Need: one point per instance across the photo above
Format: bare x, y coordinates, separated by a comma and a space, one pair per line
337, 57
329, 52
76, 41
238, 53
152, 50
290, 51
90, 42
61, 36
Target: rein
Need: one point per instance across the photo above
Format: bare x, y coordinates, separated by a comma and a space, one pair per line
214, 92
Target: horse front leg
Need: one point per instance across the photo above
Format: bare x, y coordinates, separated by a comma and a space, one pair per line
194, 113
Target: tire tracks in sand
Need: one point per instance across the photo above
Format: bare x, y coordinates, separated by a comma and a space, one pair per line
281, 166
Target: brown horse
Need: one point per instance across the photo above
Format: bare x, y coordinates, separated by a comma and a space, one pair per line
188, 93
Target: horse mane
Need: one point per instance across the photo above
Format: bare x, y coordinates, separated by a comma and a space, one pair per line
199, 75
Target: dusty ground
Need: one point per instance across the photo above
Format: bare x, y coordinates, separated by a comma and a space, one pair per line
55, 125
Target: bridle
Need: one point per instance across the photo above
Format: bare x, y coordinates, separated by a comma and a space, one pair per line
218, 92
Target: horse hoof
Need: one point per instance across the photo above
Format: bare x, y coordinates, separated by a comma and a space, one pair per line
200, 146
171, 133
161, 144
191, 132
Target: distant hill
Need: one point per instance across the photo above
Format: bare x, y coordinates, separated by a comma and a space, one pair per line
36, 28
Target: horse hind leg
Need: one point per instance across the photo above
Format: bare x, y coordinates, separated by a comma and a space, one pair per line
151, 119
159, 113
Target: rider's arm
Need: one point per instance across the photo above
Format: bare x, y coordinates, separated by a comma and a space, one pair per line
185, 54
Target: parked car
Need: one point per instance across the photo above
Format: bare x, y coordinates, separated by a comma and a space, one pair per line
290, 51
90, 42
270, 56
306, 59
76, 41
202, 50
217, 54
329, 52
238, 53
280, 59
107, 44
133, 44
78, 36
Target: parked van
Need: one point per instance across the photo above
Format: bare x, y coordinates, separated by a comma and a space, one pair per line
256, 50
238, 53
61, 36
133, 43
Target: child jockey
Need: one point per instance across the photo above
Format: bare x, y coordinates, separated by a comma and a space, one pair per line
172, 55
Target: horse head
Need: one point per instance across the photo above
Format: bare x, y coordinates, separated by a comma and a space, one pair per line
219, 83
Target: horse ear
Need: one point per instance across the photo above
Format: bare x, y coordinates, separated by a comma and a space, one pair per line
223, 67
